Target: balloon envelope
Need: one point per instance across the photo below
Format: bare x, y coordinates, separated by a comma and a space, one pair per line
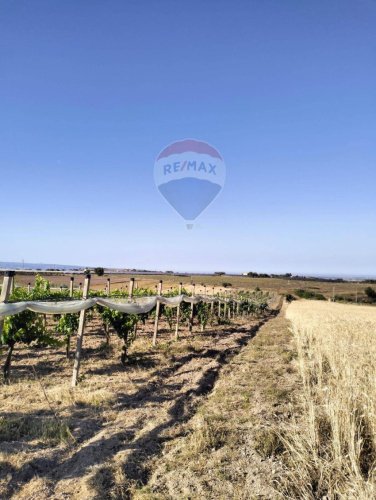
189, 174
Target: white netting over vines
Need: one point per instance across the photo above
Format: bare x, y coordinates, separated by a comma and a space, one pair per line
139, 305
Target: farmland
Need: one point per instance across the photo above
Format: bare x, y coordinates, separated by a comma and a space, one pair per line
238, 282
270, 402
102, 436
187, 264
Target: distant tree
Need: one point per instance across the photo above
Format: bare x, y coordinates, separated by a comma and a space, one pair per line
99, 271
219, 273
258, 275
226, 284
309, 295
290, 297
371, 293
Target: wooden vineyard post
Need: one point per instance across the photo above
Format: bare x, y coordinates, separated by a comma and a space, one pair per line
80, 334
158, 306
238, 307
6, 291
71, 283
212, 304
225, 306
108, 287
192, 310
131, 287
28, 288
178, 314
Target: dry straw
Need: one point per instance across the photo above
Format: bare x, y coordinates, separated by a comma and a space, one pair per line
331, 449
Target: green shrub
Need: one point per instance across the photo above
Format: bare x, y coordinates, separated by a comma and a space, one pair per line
124, 325
226, 284
67, 325
289, 297
307, 294
371, 293
27, 327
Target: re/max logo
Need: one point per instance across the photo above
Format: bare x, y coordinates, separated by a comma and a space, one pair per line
179, 166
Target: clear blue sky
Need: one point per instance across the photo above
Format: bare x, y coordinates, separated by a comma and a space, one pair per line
91, 91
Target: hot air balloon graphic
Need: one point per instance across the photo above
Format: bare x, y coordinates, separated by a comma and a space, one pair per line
189, 174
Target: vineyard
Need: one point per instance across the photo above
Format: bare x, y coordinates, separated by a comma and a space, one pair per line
145, 363
25, 312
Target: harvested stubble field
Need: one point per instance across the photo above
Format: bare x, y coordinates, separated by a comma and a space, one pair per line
104, 438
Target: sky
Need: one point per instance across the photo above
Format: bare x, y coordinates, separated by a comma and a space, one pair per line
92, 91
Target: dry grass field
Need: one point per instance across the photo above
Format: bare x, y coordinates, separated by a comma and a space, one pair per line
331, 448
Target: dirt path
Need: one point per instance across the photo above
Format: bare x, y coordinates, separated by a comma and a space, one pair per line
231, 447
117, 437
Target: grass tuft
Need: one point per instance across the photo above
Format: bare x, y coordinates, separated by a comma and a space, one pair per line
47, 429
268, 442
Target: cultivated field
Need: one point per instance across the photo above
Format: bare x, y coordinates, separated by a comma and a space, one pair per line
275, 285
331, 448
